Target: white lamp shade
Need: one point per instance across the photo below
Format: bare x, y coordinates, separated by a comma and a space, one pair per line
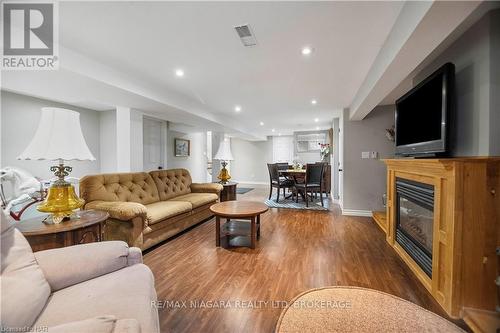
58, 136
224, 152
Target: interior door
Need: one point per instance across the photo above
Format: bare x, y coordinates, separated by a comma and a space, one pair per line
153, 141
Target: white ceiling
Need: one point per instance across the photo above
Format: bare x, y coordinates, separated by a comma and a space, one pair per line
272, 81
125, 53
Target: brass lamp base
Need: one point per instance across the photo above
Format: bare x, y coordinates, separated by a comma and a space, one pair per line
61, 199
224, 173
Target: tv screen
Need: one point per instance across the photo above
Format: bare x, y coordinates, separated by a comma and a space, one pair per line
422, 115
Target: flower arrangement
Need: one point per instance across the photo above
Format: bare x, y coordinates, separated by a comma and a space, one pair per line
324, 150
390, 133
296, 165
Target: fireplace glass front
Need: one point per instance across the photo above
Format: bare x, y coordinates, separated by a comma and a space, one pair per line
415, 218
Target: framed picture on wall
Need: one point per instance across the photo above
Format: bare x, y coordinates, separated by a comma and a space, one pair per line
182, 147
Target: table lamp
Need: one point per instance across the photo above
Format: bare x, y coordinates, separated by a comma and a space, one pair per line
59, 137
224, 155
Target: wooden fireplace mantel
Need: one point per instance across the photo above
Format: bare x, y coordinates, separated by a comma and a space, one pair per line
465, 231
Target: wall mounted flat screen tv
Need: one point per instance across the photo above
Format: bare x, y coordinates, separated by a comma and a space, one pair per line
423, 115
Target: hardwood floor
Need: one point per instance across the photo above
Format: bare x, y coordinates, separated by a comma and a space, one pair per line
298, 250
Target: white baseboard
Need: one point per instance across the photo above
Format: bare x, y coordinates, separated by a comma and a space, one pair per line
336, 201
249, 182
356, 212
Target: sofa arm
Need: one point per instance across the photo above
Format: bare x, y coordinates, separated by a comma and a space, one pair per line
206, 188
134, 256
103, 324
119, 210
71, 265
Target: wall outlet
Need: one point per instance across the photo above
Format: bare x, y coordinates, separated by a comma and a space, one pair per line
365, 154
374, 154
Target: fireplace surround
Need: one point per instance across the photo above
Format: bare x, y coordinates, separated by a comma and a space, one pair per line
458, 199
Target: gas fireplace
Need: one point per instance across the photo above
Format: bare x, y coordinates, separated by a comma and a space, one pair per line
414, 221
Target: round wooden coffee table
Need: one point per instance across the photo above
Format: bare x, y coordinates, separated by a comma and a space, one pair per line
242, 221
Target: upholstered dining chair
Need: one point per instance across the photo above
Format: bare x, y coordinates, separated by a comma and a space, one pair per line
312, 182
326, 179
283, 165
276, 181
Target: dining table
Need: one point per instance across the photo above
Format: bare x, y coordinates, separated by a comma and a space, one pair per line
296, 175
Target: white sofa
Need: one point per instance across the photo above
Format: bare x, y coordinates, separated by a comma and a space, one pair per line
97, 287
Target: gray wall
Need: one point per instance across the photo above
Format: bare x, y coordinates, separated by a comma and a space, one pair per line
495, 83
476, 55
196, 163
217, 137
365, 179
136, 141
107, 129
20, 116
250, 159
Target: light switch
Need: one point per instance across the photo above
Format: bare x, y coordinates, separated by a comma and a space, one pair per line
365, 154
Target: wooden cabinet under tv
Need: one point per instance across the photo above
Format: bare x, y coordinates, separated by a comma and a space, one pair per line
465, 228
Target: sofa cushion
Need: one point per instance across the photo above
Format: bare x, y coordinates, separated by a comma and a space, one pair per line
135, 187
162, 210
127, 293
197, 199
24, 289
172, 183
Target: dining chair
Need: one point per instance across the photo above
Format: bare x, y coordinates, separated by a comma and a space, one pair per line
283, 165
312, 182
326, 170
276, 181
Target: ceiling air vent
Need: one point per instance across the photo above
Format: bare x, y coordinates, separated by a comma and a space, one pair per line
246, 35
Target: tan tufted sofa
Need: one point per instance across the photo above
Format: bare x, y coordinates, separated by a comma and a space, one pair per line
147, 208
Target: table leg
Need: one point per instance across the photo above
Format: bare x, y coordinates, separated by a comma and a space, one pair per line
217, 231
253, 232
258, 226
100, 237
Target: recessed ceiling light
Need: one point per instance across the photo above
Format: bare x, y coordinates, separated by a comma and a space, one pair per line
237, 108
314, 102
179, 72
273, 130
317, 128
279, 134
316, 120
306, 50
261, 123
